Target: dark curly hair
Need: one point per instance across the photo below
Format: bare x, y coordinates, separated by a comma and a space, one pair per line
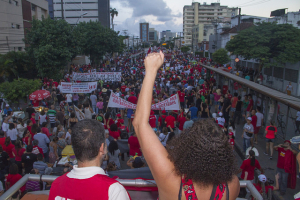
202, 153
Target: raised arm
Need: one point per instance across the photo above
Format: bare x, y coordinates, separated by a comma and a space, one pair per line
151, 147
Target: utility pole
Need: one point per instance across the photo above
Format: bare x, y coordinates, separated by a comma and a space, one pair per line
239, 22
62, 9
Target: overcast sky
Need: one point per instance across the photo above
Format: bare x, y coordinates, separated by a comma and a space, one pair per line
167, 14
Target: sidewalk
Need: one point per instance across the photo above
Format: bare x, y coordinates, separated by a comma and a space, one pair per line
265, 162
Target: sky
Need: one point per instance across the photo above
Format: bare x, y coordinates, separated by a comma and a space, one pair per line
167, 14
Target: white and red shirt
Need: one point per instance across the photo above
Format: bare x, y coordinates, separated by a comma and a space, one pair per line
87, 183
221, 121
231, 141
152, 121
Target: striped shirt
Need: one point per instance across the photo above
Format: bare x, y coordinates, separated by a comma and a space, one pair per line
52, 115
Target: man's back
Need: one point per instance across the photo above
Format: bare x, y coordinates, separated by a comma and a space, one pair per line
43, 140
93, 99
87, 183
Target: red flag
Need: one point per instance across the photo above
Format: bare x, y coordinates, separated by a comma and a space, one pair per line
149, 51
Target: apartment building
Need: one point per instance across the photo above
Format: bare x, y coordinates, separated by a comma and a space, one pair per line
167, 35
144, 32
203, 14
153, 35
75, 11
16, 16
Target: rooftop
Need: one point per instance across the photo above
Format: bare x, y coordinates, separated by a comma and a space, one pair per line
244, 26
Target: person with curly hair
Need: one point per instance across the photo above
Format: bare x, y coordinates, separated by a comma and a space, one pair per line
197, 163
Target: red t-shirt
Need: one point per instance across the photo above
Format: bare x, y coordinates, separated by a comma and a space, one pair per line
36, 103
36, 150
55, 83
18, 156
259, 188
170, 121
9, 149
250, 105
114, 134
2, 140
229, 96
246, 167
12, 179
134, 146
254, 120
181, 96
25, 140
231, 141
118, 123
281, 157
132, 99
46, 131
33, 120
29, 128
95, 187
271, 132
152, 121
181, 121
123, 88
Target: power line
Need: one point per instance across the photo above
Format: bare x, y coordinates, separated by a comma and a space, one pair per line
260, 2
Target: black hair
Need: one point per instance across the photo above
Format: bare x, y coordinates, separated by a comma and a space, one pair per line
18, 146
44, 124
87, 138
113, 146
235, 94
72, 115
40, 156
252, 156
239, 97
11, 126
28, 121
55, 139
21, 121
13, 168
232, 124
114, 127
38, 129
258, 108
29, 148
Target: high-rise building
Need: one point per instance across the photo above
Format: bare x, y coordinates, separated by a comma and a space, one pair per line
203, 14
15, 20
167, 35
144, 32
82, 10
153, 35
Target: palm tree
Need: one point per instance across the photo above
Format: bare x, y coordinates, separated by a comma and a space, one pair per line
113, 13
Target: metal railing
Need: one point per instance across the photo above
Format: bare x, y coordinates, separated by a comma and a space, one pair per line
124, 182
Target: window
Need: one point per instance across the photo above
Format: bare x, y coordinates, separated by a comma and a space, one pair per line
20, 48
16, 3
220, 9
33, 7
291, 75
18, 26
9, 1
12, 25
220, 13
278, 72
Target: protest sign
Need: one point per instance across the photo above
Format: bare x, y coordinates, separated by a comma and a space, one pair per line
86, 87
95, 76
80, 116
171, 103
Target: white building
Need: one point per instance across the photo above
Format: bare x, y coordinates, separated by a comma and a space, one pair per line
76, 11
289, 18
16, 16
167, 35
204, 14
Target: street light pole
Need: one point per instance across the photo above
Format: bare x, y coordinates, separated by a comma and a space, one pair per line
78, 19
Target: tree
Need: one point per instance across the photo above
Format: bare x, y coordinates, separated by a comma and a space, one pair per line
19, 89
185, 49
51, 45
221, 56
95, 41
113, 13
268, 43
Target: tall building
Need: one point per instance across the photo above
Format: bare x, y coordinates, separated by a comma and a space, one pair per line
153, 35
167, 35
203, 14
144, 32
16, 16
82, 10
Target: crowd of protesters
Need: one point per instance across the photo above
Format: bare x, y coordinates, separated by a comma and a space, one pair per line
35, 146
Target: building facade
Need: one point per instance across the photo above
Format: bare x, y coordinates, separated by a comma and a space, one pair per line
144, 32
16, 16
167, 35
75, 11
203, 14
153, 35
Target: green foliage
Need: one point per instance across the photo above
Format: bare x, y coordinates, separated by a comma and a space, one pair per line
19, 89
200, 53
51, 45
95, 40
221, 56
185, 49
269, 43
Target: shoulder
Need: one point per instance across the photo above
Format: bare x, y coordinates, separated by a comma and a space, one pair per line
234, 187
117, 191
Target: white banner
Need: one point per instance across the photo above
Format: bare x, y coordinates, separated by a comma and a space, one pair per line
171, 103
95, 76
86, 87
80, 116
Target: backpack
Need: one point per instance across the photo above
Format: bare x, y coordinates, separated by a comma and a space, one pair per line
163, 124
124, 134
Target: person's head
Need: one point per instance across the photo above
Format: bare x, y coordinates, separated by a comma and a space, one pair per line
111, 167
239, 98
38, 129
217, 163
20, 121
61, 134
262, 179
252, 157
35, 142
114, 127
11, 126
55, 139
165, 130
44, 124
249, 96
230, 135
26, 133
40, 157
113, 146
52, 107
29, 122
29, 148
88, 140
13, 168
272, 123
7, 141
42, 112
253, 112
235, 94
72, 115
258, 108
249, 119
34, 128
34, 171
60, 128
246, 97
69, 129
286, 144
192, 104
188, 117
138, 163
